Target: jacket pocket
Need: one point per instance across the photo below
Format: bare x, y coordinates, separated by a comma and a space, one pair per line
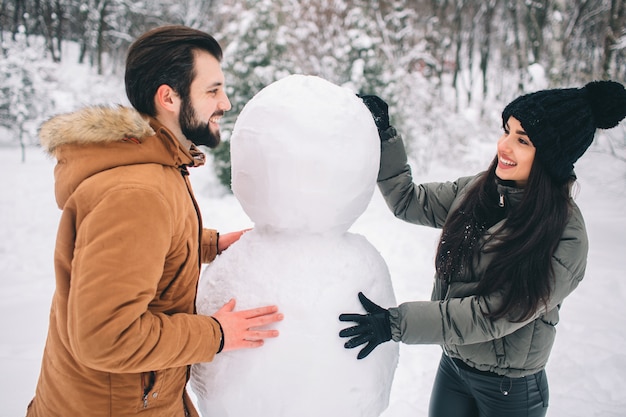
150, 387
542, 387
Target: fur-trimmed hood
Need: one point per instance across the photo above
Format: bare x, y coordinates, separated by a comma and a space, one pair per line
95, 139
98, 124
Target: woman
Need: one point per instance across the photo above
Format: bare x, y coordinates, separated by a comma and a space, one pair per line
513, 246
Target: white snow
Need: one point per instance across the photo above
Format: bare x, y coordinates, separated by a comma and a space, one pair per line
587, 368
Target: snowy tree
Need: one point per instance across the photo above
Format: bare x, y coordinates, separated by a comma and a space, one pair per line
193, 13
429, 59
614, 39
254, 56
23, 102
267, 40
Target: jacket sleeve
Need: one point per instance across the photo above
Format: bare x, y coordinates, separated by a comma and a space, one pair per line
424, 204
121, 248
569, 261
209, 245
460, 321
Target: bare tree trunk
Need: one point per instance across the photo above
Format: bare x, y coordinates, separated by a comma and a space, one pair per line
60, 12
3, 9
458, 42
439, 50
578, 12
489, 7
83, 51
617, 19
519, 52
18, 14
471, 37
48, 22
81, 17
100, 39
537, 14
22, 143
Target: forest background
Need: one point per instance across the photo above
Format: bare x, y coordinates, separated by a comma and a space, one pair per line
446, 67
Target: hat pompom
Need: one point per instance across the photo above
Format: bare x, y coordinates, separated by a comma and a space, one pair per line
607, 100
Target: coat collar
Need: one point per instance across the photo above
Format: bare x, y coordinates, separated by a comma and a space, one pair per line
96, 139
508, 193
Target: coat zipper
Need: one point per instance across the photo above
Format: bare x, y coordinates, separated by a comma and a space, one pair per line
147, 385
185, 174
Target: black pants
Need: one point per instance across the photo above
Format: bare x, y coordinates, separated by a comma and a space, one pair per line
460, 391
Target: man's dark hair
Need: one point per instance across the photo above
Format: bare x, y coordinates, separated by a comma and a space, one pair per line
164, 55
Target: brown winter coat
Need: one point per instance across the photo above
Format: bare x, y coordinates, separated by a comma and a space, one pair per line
129, 246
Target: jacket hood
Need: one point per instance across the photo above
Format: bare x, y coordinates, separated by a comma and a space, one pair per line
93, 125
95, 139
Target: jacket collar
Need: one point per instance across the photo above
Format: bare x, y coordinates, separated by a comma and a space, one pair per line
96, 139
183, 157
508, 193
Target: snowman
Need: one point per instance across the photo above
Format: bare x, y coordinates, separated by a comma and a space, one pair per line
305, 156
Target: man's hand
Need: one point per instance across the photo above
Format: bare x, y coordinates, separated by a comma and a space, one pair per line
372, 328
239, 328
227, 239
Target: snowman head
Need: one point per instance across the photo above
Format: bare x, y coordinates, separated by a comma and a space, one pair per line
305, 156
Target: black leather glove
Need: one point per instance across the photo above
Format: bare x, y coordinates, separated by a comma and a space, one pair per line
379, 110
372, 328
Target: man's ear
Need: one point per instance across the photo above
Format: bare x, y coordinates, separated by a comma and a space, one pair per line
166, 100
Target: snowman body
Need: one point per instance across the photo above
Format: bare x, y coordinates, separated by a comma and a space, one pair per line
303, 174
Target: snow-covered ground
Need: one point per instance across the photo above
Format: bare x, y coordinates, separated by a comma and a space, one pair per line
587, 369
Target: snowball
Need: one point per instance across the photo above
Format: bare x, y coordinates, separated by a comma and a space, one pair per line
306, 371
305, 156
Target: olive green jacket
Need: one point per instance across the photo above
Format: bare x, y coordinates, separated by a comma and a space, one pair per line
454, 317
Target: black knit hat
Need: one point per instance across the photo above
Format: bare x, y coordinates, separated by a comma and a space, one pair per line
561, 123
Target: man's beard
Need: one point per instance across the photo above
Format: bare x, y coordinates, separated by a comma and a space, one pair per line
196, 131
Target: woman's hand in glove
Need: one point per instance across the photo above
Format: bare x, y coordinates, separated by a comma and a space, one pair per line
372, 328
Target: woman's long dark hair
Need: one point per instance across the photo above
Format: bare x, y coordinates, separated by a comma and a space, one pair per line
522, 247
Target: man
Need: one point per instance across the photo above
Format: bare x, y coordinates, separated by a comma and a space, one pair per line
123, 329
